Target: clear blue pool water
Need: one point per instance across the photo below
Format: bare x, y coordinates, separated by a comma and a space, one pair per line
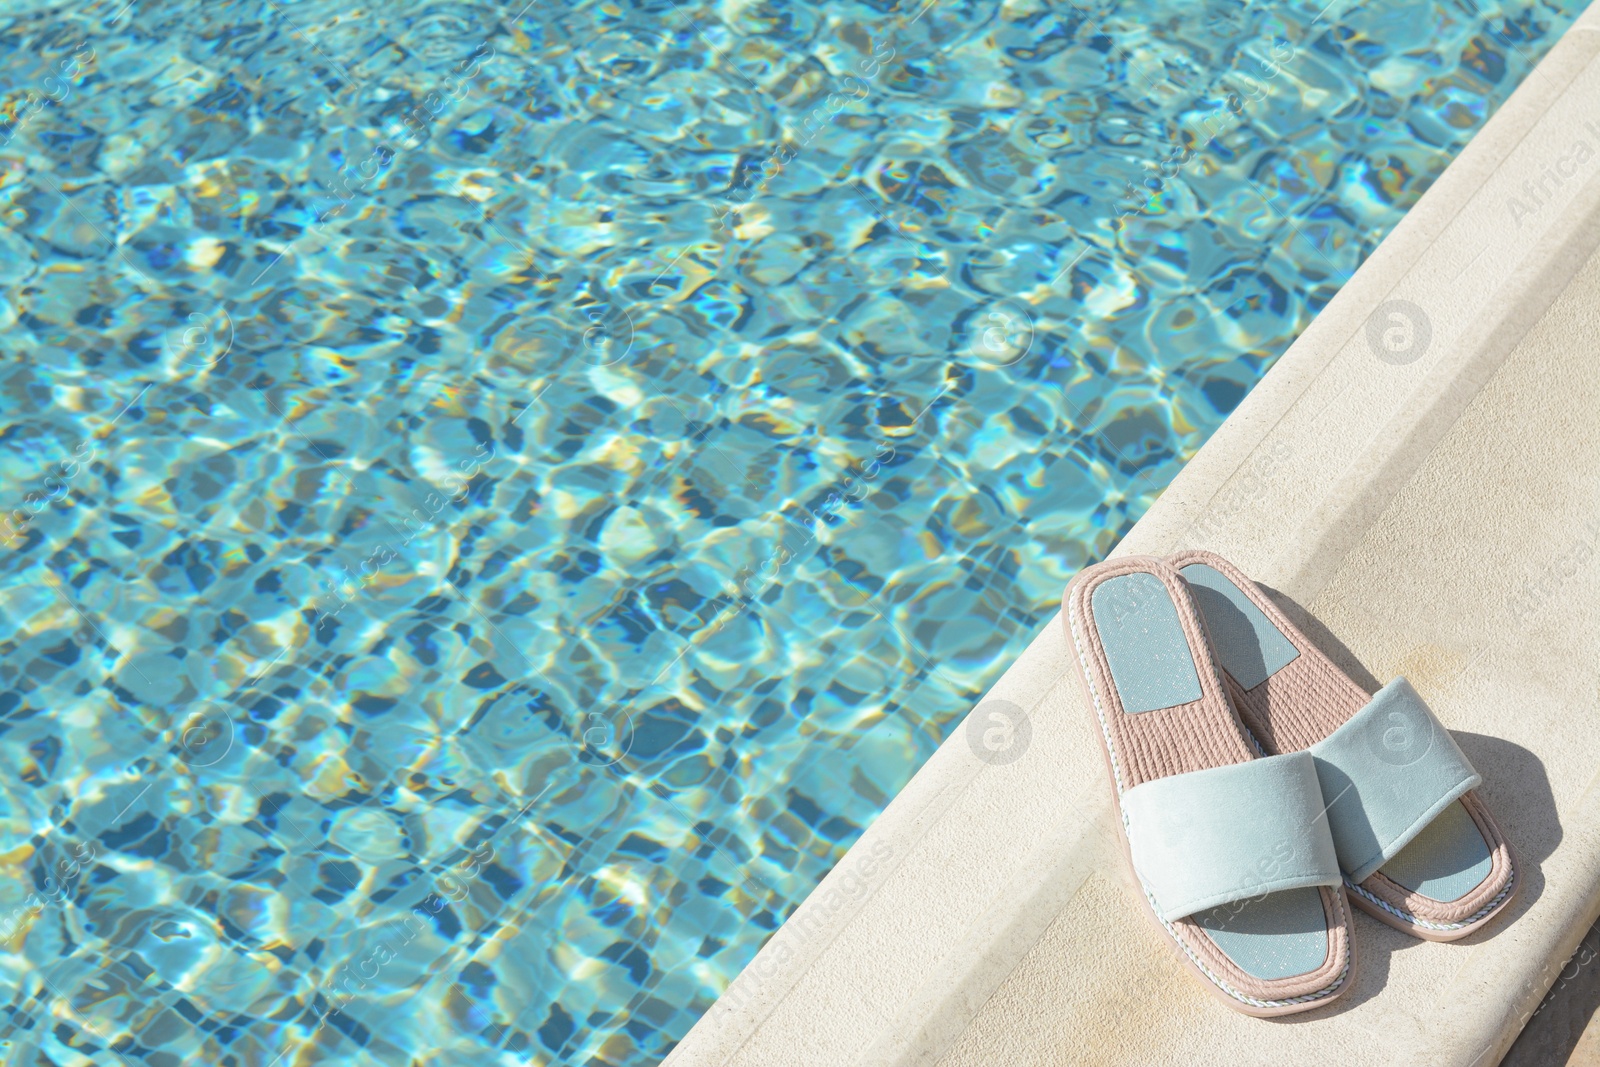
499, 499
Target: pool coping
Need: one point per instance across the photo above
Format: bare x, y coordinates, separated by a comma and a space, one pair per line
888, 960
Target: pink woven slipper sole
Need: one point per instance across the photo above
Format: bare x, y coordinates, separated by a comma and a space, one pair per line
1199, 735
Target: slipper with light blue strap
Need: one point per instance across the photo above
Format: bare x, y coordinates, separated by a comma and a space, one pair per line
1230, 849
1418, 846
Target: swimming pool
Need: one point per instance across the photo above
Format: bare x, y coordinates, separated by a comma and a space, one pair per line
498, 499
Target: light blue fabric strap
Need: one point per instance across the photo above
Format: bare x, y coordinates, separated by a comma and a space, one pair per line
1229, 833
1387, 773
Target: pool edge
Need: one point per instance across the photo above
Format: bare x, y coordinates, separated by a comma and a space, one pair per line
888, 960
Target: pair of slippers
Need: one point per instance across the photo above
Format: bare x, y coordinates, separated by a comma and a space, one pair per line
1257, 782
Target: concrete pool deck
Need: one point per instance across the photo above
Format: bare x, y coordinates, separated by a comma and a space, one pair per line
1419, 478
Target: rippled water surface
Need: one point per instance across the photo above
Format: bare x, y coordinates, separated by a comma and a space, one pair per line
499, 499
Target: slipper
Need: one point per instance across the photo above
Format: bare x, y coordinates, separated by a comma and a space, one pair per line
1230, 848
1418, 846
